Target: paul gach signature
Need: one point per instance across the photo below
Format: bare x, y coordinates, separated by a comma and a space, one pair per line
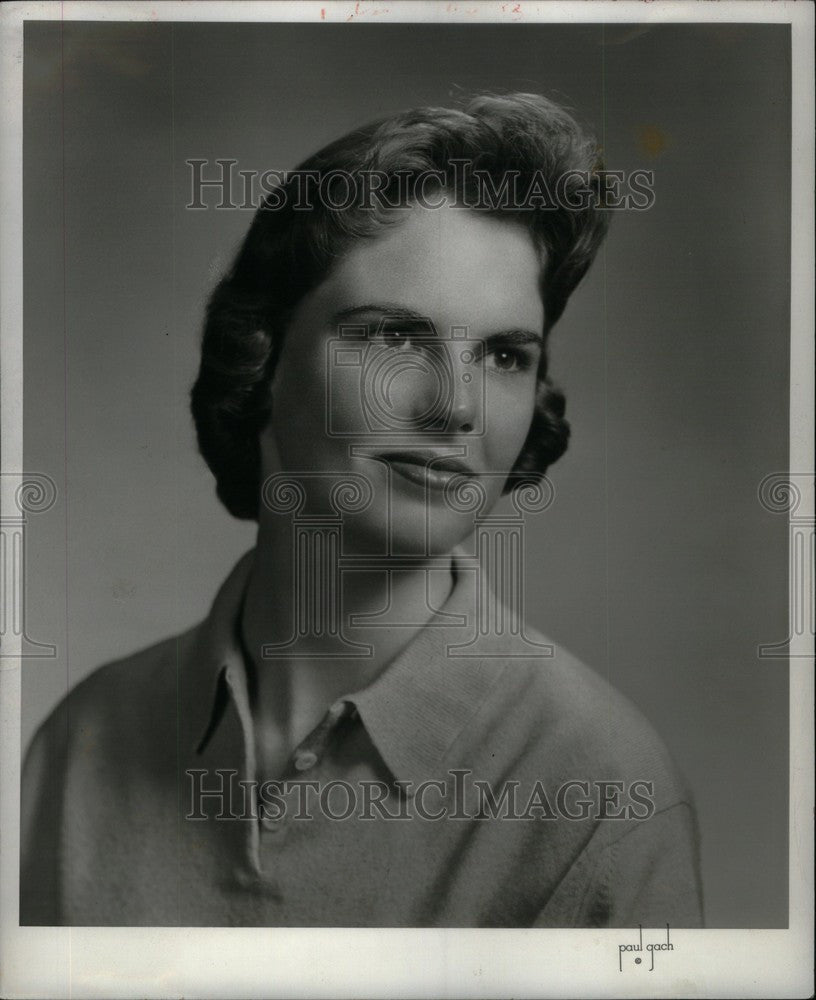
635, 951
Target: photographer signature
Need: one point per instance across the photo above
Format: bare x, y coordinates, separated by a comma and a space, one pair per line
635, 951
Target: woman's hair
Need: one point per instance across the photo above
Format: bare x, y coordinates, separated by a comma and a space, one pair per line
506, 155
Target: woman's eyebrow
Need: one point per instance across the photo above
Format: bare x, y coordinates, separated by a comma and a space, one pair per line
383, 308
514, 336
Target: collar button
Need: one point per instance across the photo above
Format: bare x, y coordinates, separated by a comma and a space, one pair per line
304, 760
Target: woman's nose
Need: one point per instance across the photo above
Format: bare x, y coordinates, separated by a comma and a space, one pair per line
465, 391
443, 394
433, 390
449, 398
462, 419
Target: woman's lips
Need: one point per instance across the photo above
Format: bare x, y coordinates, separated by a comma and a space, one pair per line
426, 470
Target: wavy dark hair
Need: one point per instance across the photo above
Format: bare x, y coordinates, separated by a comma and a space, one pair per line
289, 251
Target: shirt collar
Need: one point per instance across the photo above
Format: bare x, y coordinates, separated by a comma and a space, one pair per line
414, 710
217, 663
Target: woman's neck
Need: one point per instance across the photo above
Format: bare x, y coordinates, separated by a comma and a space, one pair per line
303, 653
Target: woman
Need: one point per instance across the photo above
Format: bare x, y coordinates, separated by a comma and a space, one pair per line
363, 732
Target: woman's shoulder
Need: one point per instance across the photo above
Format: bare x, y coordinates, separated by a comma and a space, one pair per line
574, 720
119, 703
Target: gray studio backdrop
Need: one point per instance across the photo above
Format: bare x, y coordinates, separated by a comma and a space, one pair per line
656, 563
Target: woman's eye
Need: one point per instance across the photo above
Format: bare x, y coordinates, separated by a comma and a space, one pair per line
396, 337
508, 360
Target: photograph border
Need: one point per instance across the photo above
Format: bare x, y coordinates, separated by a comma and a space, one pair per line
280, 961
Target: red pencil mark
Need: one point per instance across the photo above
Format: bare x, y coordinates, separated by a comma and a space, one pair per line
360, 10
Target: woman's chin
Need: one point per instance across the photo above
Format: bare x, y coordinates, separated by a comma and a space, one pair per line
407, 530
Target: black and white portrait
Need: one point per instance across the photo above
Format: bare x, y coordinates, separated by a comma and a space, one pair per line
407, 510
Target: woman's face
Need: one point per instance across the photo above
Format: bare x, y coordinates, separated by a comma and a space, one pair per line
413, 362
